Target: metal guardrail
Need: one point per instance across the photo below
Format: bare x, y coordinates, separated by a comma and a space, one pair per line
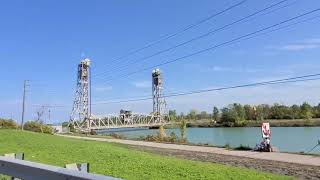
27, 170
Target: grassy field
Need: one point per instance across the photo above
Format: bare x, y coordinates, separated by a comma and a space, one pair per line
118, 161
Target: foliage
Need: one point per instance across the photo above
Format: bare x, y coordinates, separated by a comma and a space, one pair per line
173, 115
173, 137
262, 112
238, 115
65, 124
162, 133
36, 126
8, 124
4, 177
117, 136
117, 160
192, 115
183, 129
243, 148
215, 114
156, 138
233, 115
306, 111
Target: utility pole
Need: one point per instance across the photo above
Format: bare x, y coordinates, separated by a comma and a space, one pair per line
90, 85
23, 102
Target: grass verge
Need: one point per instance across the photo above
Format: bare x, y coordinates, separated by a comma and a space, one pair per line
111, 159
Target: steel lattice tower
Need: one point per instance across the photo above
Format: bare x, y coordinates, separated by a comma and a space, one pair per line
81, 111
159, 103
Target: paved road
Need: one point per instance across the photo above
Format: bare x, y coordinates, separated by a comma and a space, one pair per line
274, 156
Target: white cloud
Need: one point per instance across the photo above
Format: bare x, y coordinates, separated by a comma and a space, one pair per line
208, 69
313, 40
300, 46
142, 84
103, 89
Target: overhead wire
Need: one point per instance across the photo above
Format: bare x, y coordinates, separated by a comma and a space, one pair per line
211, 32
273, 82
305, 78
168, 36
232, 41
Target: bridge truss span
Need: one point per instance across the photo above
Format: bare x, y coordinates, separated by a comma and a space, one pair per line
116, 122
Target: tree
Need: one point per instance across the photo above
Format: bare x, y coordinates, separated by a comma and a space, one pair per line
181, 116
234, 114
262, 112
249, 112
240, 113
203, 115
280, 112
316, 111
172, 115
295, 111
306, 111
183, 129
162, 132
215, 114
192, 115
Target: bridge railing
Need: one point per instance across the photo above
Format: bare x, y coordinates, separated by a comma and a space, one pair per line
27, 170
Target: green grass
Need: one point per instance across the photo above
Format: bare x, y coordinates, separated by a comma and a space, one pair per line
114, 160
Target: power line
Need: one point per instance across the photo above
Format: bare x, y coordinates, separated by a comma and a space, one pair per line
305, 78
273, 82
168, 36
241, 86
235, 40
211, 32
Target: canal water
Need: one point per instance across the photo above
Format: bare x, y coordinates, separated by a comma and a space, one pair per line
286, 139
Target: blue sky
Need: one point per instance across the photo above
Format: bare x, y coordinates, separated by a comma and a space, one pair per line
43, 41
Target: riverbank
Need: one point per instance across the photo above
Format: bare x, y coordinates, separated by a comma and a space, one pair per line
250, 123
301, 166
116, 160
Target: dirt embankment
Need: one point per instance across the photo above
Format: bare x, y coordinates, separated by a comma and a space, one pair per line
289, 169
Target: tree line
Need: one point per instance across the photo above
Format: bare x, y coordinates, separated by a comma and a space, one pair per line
237, 113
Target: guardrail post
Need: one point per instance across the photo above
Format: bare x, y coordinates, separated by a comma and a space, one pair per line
83, 167
19, 156
15, 155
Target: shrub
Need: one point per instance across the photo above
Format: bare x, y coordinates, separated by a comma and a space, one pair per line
162, 133
173, 137
183, 129
93, 132
37, 127
117, 136
8, 124
243, 148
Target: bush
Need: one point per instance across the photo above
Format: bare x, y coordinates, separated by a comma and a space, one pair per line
173, 137
8, 124
93, 132
243, 148
37, 127
117, 136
